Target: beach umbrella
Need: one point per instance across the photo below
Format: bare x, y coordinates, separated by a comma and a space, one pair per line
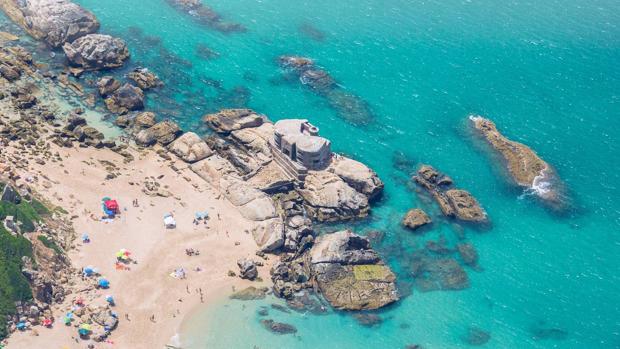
104, 283
106, 198
47, 322
109, 299
21, 326
85, 238
89, 270
84, 329
66, 320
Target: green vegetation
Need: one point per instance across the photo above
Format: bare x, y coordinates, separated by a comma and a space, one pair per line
13, 284
49, 244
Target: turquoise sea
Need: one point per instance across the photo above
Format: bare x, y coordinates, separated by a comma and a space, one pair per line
547, 72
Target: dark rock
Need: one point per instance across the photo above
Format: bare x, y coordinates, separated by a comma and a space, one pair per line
107, 85
368, 320
468, 254
476, 336
126, 98
278, 327
438, 274
145, 79
247, 269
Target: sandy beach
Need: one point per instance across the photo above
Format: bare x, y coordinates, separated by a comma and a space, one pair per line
150, 303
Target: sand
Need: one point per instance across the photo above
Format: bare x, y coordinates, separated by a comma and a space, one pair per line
146, 291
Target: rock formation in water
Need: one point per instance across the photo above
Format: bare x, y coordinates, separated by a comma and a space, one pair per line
53, 21
416, 218
455, 203
145, 79
350, 107
524, 166
205, 15
349, 274
125, 99
96, 52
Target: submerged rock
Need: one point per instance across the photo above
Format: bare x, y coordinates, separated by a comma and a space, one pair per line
96, 52
250, 293
125, 99
278, 327
442, 273
476, 336
468, 254
205, 15
368, 320
53, 21
415, 219
349, 274
525, 167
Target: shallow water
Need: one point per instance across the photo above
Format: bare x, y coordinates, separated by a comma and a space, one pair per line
547, 72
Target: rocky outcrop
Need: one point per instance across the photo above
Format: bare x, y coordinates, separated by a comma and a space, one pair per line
349, 274
328, 198
416, 218
247, 269
145, 79
278, 327
164, 133
96, 52
107, 85
229, 120
357, 175
250, 293
524, 166
53, 21
205, 15
455, 203
190, 147
437, 273
125, 99
468, 254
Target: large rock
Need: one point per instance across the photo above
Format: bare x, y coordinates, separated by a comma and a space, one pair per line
229, 120
349, 274
96, 52
125, 99
525, 167
253, 204
190, 147
359, 176
415, 219
269, 235
107, 85
145, 78
329, 198
54, 21
163, 132
455, 203
247, 269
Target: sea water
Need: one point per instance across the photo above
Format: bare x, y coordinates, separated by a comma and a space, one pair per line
547, 72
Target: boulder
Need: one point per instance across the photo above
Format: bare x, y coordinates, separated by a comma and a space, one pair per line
247, 269
253, 204
126, 98
54, 21
163, 132
190, 147
349, 274
269, 235
107, 85
229, 120
359, 176
466, 207
329, 198
416, 218
145, 79
144, 120
96, 52
524, 166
